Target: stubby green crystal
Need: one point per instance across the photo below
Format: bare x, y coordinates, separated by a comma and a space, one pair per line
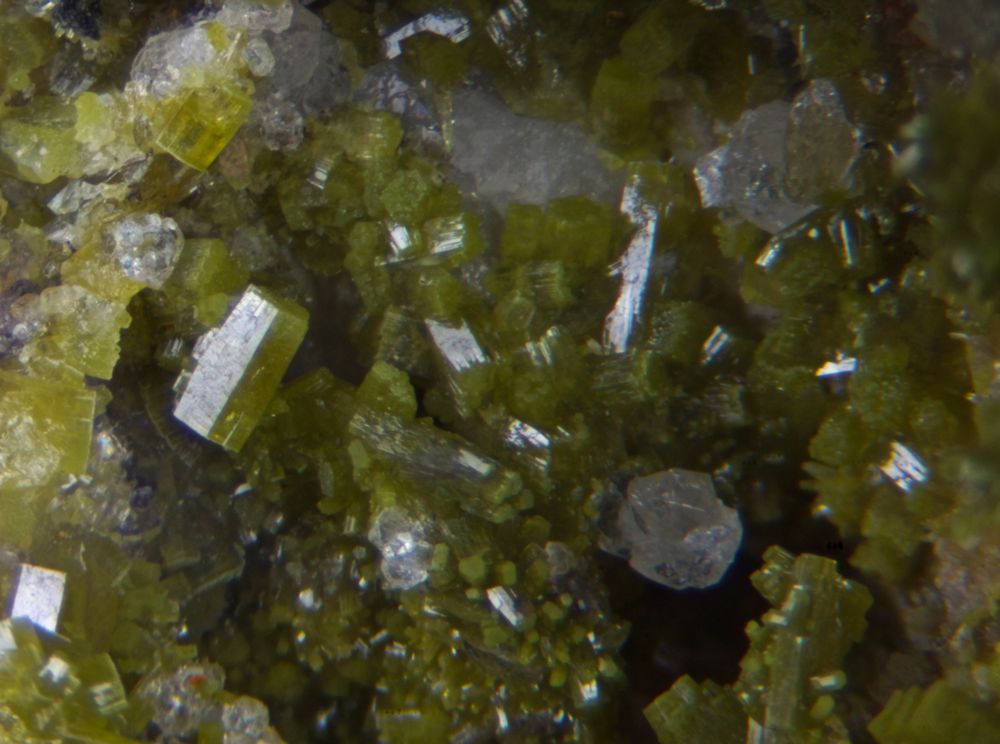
238, 367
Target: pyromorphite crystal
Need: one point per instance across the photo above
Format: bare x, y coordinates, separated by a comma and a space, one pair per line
82, 329
238, 367
45, 429
697, 713
202, 122
799, 645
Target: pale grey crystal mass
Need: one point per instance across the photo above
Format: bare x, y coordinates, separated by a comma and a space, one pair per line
675, 530
822, 145
748, 174
512, 158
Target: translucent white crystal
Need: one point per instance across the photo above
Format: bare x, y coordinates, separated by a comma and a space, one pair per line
505, 604
675, 530
457, 346
307, 70
246, 721
256, 15
517, 158
223, 356
169, 61
633, 268
176, 700
447, 23
38, 596
146, 246
257, 54
282, 127
821, 144
904, 468
406, 552
748, 173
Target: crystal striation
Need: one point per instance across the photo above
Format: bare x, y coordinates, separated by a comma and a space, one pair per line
239, 366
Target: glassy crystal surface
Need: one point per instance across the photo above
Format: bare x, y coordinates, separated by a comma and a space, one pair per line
38, 596
821, 146
45, 429
81, 329
512, 158
454, 469
239, 366
675, 530
402, 542
146, 246
633, 268
307, 71
452, 25
386, 87
904, 468
257, 15
748, 173
246, 721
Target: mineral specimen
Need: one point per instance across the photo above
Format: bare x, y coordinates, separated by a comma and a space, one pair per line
38, 596
511, 158
674, 529
239, 366
465, 291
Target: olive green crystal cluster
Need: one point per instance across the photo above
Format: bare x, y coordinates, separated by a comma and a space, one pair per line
338, 339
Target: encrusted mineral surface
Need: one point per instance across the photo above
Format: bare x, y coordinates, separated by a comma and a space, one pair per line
467, 371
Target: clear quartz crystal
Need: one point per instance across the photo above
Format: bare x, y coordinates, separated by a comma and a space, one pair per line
748, 174
406, 552
146, 246
38, 596
517, 158
257, 15
257, 54
675, 530
821, 146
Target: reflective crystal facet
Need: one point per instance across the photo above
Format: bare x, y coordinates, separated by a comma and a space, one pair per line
748, 173
38, 596
633, 268
904, 468
239, 366
675, 530
451, 25
406, 553
146, 246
